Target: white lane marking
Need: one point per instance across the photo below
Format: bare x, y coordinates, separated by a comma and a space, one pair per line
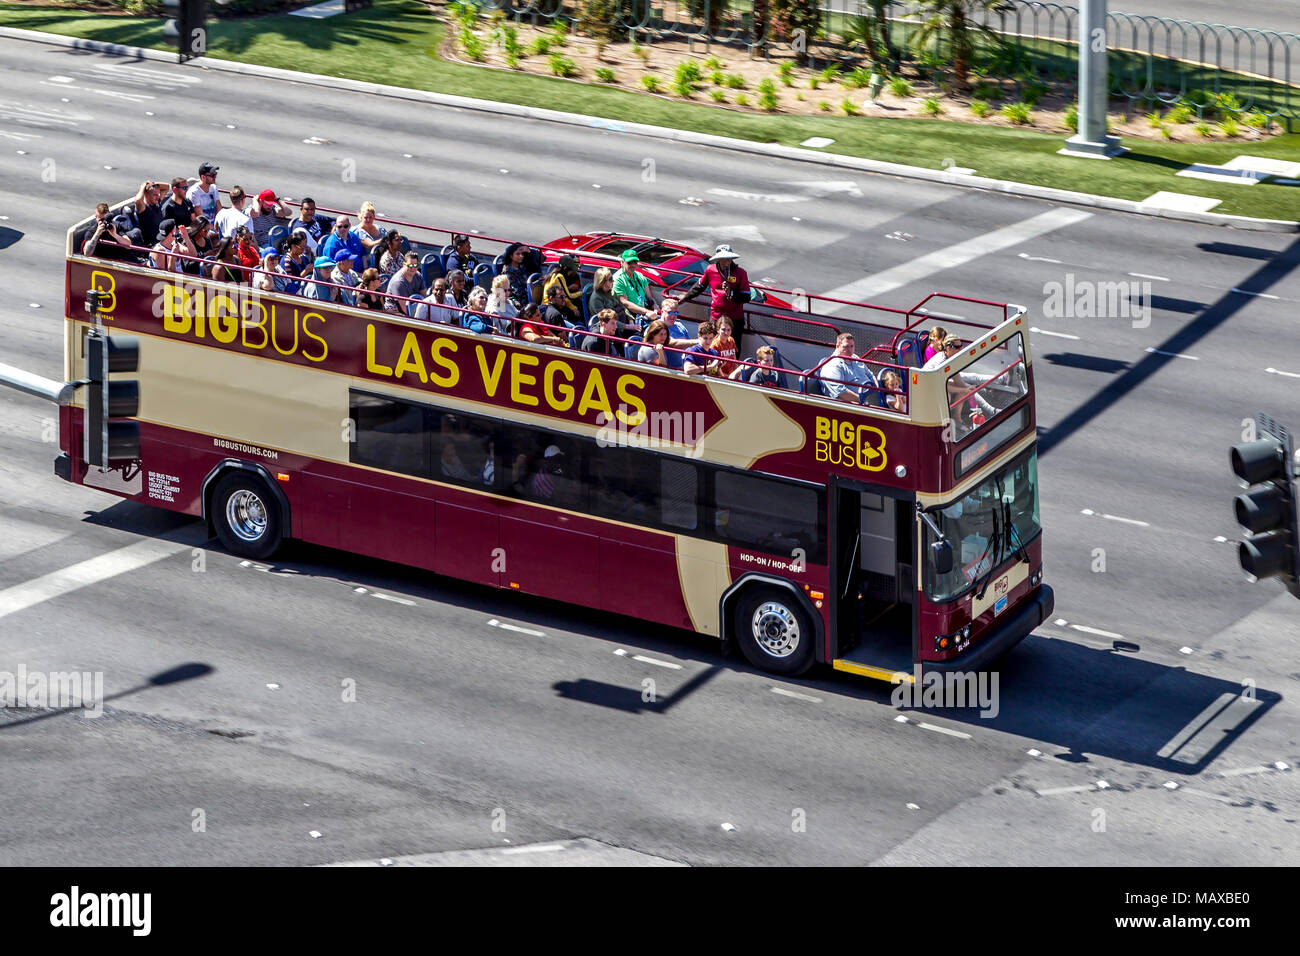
871, 287
514, 627
534, 848
1185, 650
1054, 791
944, 730
395, 600
1244, 771
1059, 335
18, 137
1062, 622
796, 695
619, 652
1025, 255
85, 573
1258, 295
1109, 517
1143, 275
658, 663
111, 94
1173, 354
1202, 793
1277, 371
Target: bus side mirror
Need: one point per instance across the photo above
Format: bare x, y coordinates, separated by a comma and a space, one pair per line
941, 556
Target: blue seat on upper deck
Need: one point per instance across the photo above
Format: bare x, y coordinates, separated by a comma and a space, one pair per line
483, 276
277, 235
431, 267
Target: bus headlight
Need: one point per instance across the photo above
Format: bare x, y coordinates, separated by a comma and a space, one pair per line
1036, 578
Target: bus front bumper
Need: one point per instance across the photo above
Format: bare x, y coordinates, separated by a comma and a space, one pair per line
1015, 629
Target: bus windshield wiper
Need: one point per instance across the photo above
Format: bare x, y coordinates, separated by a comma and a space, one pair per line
994, 550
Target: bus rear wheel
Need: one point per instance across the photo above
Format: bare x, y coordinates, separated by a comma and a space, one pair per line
247, 516
774, 631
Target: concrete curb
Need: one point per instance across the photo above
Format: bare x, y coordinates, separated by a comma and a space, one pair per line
661, 132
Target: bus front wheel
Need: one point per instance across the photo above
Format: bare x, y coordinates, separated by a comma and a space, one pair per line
774, 631
247, 516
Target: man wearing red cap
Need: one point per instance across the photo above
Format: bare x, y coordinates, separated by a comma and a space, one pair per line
263, 212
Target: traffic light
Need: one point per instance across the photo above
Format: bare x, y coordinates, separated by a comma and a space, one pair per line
186, 27
107, 438
1268, 512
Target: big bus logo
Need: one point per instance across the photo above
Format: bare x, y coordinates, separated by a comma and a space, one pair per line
105, 284
846, 443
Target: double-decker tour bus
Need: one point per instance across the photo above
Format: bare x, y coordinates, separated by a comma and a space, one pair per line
897, 530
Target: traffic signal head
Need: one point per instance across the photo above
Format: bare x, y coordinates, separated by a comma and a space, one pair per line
1256, 461
1268, 511
107, 437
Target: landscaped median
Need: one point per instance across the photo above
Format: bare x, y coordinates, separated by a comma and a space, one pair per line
397, 42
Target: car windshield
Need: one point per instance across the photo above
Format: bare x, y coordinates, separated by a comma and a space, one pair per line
656, 253
987, 525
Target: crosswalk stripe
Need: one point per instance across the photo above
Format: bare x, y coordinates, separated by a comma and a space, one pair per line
85, 573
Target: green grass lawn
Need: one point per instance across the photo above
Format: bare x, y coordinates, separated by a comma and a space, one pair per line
396, 41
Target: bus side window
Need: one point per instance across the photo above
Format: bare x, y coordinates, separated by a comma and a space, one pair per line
463, 448
390, 434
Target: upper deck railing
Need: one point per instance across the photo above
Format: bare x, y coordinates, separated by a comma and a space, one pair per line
889, 339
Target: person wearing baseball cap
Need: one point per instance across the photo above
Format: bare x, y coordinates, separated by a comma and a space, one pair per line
203, 194
344, 274
263, 212
321, 273
728, 287
631, 288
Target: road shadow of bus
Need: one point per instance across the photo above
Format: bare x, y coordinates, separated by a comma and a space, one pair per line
1093, 703
1103, 703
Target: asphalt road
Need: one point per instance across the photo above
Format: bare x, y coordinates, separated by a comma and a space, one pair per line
1281, 15
468, 736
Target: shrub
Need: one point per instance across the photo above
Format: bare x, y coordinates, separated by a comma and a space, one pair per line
650, 82
539, 47
512, 59
1203, 129
717, 78
931, 106
474, 45
735, 81
561, 65
718, 96
785, 73
849, 107
713, 63
1033, 93
689, 70
683, 81
640, 51
858, 79
981, 109
1230, 127
742, 99
605, 75
1227, 103
1182, 113
1072, 117
1256, 119
1016, 112
1164, 132
900, 87
559, 33
814, 81
824, 106
767, 95
831, 73
1153, 119
986, 91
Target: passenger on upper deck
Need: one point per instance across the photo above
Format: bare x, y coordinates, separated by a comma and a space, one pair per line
265, 280
321, 273
369, 295
171, 238
225, 264
658, 342
516, 270
204, 243
602, 293
406, 281
559, 311
148, 211
368, 231
702, 358
728, 287
844, 378
309, 223
565, 275
204, 194
726, 347
431, 309
344, 274
342, 238
104, 240
599, 344
461, 256
233, 216
263, 212
948, 347
247, 251
766, 374
474, 319
890, 379
500, 307
960, 384
632, 289
537, 334
295, 261
178, 208
390, 260
458, 287
933, 343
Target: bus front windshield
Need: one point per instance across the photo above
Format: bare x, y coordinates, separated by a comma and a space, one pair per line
993, 521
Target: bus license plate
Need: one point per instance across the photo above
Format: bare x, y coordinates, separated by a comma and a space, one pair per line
1000, 606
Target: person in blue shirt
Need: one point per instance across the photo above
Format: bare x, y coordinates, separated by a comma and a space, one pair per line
321, 273
700, 358
844, 378
344, 274
342, 237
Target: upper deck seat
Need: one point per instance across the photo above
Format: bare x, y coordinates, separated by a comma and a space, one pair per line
277, 235
431, 267
535, 283
586, 306
483, 276
634, 343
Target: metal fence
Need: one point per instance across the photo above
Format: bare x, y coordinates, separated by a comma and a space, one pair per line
1153, 60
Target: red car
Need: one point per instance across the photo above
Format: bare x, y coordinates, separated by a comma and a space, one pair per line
670, 266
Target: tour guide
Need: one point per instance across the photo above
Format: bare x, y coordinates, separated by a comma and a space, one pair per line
728, 286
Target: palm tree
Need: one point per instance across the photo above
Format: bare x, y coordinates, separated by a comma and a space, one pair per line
952, 17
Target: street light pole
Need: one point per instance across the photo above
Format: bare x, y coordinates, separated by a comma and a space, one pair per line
1091, 140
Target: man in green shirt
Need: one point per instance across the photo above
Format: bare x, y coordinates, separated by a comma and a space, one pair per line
631, 288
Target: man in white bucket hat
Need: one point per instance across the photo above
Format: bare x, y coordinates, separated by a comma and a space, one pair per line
728, 287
